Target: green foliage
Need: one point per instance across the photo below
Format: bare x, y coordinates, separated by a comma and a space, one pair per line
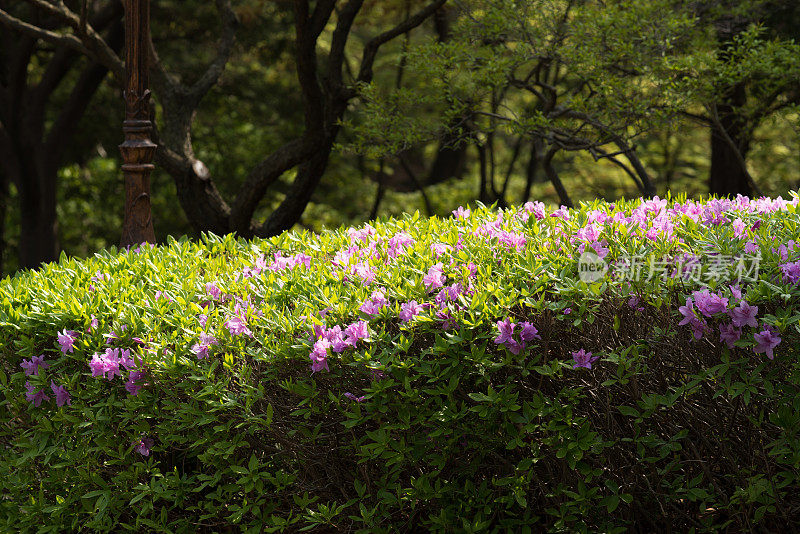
421, 426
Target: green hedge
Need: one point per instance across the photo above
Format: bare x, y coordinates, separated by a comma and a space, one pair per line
371, 379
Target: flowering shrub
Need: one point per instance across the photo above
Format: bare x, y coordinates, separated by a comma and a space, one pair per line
614, 367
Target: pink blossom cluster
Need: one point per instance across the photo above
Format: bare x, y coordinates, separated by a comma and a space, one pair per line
704, 304
237, 325
336, 340
584, 359
110, 364
279, 263
202, 347
36, 397
537, 209
527, 333
375, 303
66, 340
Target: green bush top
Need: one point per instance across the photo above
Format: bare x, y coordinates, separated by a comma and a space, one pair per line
373, 378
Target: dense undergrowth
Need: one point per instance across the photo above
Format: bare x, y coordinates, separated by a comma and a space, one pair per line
614, 368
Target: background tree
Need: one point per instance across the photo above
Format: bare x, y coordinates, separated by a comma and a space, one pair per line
327, 85
44, 92
591, 77
756, 75
449, 150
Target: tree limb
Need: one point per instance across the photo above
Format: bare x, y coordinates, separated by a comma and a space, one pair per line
371, 49
56, 38
92, 41
338, 43
215, 69
79, 99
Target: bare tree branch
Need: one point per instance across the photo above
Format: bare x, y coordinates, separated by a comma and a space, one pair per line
91, 40
56, 38
321, 15
215, 69
372, 47
339, 41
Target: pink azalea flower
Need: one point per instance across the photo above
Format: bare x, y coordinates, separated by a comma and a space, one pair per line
736, 292
729, 334
31, 366
112, 363
336, 338
61, 393
744, 315
36, 397
143, 446
67, 338
506, 328
435, 277
512, 240
357, 330
710, 303
766, 340
125, 359
204, 345
537, 209
375, 303
132, 387
583, 359
440, 248
529, 332
447, 319
461, 213
319, 355
791, 272
739, 228
409, 310
237, 325
97, 365
750, 247
212, 290
688, 312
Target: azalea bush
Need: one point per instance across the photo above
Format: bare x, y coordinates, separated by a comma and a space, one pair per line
620, 366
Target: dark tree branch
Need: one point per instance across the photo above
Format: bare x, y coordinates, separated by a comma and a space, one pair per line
215, 69
321, 15
306, 58
267, 172
417, 183
82, 93
56, 38
510, 171
64, 58
371, 49
550, 171
338, 43
644, 183
89, 37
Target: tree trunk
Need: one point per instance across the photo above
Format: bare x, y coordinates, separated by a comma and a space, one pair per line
36, 190
3, 211
727, 177
308, 177
552, 175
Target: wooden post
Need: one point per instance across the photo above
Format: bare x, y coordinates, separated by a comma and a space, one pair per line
138, 150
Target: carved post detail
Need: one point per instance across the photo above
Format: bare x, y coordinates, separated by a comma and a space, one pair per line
138, 150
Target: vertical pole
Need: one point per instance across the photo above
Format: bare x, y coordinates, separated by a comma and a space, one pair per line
137, 150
